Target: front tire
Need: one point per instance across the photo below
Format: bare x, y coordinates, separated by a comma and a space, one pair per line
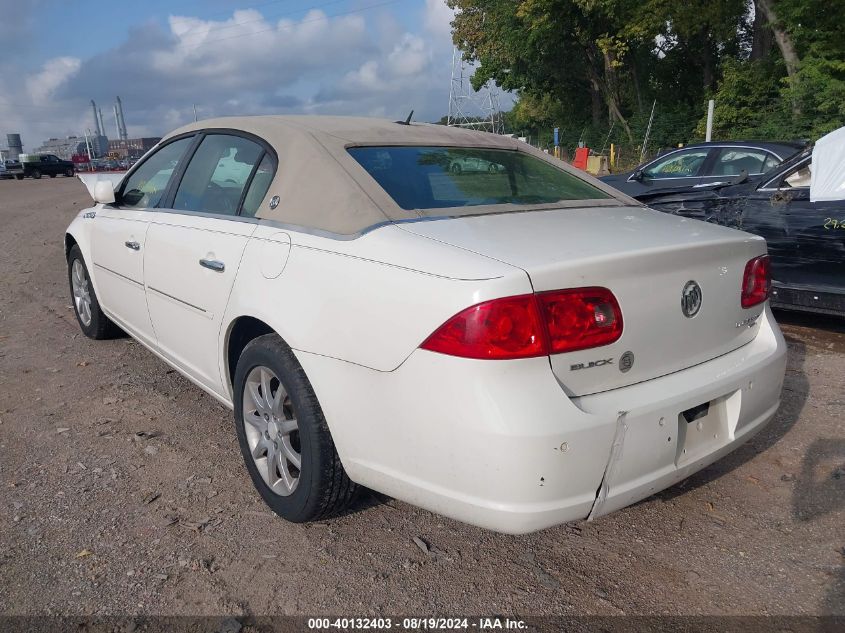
284, 439
69, 172
93, 322
36, 174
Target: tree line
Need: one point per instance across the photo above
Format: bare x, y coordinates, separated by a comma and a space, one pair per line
595, 68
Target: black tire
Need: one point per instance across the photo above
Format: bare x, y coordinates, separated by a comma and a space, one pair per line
455, 168
69, 172
52, 175
18, 176
100, 327
35, 173
323, 488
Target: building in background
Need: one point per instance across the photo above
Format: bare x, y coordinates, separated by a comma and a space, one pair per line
99, 141
132, 147
70, 146
99, 145
15, 147
64, 148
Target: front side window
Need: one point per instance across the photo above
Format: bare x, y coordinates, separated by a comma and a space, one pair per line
217, 174
800, 177
683, 164
422, 178
145, 187
731, 161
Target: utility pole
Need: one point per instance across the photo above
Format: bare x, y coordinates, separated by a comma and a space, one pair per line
711, 105
648, 131
195, 113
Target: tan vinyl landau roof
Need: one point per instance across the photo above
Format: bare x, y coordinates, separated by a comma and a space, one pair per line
320, 186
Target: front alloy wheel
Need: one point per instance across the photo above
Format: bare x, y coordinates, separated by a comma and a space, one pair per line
94, 323
81, 292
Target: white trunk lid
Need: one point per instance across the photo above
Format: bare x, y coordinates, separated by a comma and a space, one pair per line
645, 258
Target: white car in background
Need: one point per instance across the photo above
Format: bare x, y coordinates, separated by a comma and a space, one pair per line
514, 348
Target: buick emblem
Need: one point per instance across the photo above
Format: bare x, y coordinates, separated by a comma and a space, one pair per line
626, 361
691, 299
274, 202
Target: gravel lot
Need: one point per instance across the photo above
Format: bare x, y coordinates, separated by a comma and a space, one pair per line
122, 491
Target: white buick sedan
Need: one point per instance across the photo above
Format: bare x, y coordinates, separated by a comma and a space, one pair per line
514, 348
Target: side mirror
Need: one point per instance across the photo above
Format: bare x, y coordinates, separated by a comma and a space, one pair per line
638, 175
104, 192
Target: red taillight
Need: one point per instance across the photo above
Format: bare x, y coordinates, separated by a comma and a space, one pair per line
580, 318
756, 281
498, 329
531, 325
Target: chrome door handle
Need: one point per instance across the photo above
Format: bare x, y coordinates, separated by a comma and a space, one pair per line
213, 264
135, 246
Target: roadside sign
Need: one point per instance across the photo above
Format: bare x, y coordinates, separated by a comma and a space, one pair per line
557, 136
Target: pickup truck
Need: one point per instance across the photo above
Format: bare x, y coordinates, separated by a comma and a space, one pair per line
44, 165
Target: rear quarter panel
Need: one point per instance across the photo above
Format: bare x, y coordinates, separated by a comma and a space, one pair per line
370, 301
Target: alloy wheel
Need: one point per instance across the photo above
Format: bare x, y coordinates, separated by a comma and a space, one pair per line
81, 292
272, 431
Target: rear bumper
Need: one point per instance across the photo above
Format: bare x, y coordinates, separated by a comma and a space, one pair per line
499, 444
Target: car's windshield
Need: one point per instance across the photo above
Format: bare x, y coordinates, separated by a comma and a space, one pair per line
444, 177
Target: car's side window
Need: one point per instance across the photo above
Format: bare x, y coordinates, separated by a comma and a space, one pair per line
731, 161
259, 186
683, 164
771, 162
799, 178
146, 186
217, 174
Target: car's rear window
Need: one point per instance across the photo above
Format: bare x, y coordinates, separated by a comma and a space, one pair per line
443, 177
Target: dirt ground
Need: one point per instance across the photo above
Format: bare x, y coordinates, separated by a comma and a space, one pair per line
122, 491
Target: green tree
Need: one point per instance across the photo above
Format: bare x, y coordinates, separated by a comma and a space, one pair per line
594, 67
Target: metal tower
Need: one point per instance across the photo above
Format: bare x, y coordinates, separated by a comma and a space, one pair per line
468, 108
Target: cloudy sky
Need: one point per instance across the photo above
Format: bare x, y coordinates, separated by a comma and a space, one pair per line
362, 57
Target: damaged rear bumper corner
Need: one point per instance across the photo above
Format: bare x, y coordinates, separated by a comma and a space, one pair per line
655, 447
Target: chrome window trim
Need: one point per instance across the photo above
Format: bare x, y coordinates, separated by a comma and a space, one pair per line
203, 214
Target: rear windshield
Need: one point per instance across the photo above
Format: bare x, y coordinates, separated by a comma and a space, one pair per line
442, 177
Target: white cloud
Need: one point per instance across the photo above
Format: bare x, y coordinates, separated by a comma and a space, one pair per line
409, 57
364, 63
437, 18
53, 74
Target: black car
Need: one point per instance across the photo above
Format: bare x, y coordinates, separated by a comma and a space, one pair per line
703, 165
45, 165
806, 239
